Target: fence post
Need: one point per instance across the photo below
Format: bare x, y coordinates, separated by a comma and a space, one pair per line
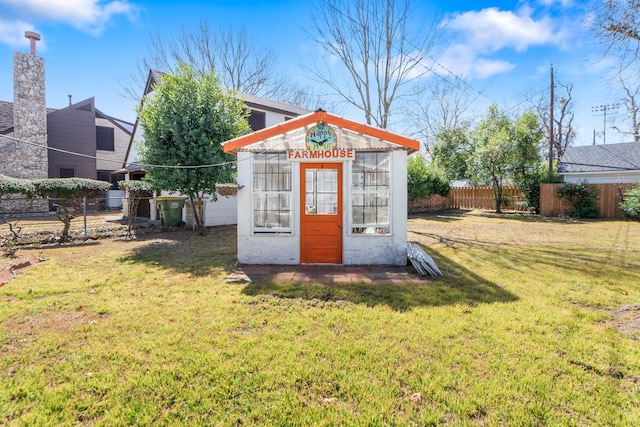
84, 212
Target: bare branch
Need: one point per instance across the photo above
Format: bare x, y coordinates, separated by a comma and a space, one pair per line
632, 104
563, 116
370, 41
617, 26
440, 105
240, 62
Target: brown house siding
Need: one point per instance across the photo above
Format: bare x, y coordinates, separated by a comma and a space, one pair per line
73, 129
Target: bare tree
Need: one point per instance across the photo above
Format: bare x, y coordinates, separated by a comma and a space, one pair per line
617, 25
380, 54
440, 105
631, 102
241, 63
563, 130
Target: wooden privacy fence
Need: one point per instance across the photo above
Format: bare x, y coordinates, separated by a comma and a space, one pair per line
482, 198
609, 197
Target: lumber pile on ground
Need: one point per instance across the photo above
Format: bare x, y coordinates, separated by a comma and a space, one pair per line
422, 262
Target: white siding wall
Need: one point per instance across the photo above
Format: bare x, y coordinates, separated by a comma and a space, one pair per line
603, 177
221, 212
272, 118
264, 249
381, 249
357, 249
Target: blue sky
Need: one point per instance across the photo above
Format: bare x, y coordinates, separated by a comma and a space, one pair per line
503, 49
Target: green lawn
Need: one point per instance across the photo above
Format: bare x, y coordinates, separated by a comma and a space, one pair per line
536, 322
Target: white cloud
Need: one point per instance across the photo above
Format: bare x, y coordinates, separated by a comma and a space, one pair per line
12, 33
461, 60
485, 68
562, 3
87, 15
478, 35
491, 29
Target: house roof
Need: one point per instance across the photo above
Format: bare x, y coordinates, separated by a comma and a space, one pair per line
601, 158
274, 136
256, 102
252, 101
6, 116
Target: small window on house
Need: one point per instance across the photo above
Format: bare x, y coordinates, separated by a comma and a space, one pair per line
257, 120
67, 172
103, 176
109, 177
271, 193
370, 184
104, 138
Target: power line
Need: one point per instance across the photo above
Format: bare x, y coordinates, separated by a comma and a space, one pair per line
143, 165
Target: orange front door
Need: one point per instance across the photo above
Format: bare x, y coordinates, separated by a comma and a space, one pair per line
321, 219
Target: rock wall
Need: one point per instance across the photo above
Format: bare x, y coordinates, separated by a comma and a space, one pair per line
17, 158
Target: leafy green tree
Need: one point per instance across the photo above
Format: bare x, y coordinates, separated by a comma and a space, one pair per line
529, 185
503, 149
451, 151
527, 172
185, 121
631, 203
423, 180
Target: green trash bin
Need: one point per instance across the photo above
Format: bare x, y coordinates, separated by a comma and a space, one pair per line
170, 210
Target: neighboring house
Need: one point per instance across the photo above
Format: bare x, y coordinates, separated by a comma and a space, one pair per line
264, 113
101, 140
601, 164
322, 189
80, 128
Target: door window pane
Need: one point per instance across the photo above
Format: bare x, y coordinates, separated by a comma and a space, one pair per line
321, 190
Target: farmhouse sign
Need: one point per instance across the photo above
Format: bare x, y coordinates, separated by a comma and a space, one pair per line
321, 142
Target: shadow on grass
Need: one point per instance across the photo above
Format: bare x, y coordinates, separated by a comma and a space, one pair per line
459, 286
459, 214
529, 217
185, 251
449, 215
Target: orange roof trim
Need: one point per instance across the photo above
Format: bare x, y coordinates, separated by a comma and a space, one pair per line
233, 145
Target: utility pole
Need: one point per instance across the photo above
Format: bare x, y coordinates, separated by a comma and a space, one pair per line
551, 102
603, 109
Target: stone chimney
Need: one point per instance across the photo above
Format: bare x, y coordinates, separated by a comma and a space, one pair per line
30, 112
29, 157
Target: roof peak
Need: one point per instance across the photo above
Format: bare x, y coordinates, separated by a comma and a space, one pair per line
232, 146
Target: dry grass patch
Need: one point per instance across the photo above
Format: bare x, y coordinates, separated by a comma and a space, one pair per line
626, 319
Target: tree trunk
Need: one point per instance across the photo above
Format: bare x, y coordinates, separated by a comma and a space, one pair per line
497, 192
196, 202
65, 215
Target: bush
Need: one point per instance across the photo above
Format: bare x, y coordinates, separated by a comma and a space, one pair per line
530, 187
70, 187
9, 185
631, 203
423, 180
582, 198
135, 187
